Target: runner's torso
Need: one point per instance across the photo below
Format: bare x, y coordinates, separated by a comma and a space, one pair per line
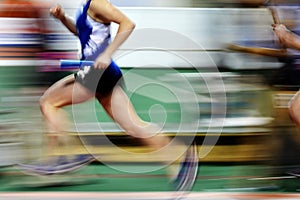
94, 36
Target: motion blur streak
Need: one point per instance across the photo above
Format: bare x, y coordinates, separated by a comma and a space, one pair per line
256, 130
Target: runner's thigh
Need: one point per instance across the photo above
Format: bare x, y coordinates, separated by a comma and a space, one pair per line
65, 92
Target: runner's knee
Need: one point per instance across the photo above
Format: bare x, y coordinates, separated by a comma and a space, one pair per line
44, 104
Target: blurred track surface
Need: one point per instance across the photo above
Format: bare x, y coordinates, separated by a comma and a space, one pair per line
143, 196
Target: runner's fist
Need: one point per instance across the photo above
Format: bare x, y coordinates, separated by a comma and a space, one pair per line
57, 12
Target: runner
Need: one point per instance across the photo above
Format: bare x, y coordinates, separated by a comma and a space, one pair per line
103, 81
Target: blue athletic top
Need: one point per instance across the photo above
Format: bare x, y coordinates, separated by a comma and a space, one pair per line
94, 36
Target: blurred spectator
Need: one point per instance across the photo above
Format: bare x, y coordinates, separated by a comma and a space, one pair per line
21, 41
21, 18
253, 3
21, 38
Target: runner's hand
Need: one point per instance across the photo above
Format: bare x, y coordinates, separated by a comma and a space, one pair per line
57, 12
102, 62
281, 32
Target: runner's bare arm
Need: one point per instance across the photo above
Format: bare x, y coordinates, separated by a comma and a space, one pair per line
104, 11
59, 13
286, 37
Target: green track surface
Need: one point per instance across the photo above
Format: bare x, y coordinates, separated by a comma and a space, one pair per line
100, 178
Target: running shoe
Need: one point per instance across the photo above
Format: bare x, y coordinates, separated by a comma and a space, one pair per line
36, 168
67, 165
295, 172
60, 165
187, 174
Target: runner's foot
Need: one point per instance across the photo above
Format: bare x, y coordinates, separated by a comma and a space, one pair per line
186, 176
58, 165
295, 172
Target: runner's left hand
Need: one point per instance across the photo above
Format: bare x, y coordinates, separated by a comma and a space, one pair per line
102, 62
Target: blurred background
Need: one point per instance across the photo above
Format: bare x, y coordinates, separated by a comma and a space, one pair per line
185, 69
